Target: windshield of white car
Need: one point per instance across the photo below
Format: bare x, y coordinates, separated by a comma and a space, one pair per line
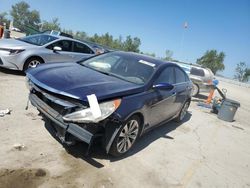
38, 40
121, 66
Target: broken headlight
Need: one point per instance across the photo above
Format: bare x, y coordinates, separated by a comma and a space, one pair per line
86, 115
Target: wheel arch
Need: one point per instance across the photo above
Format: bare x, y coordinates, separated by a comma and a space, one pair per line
112, 137
198, 89
33, 56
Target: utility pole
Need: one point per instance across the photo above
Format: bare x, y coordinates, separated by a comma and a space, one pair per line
185, 26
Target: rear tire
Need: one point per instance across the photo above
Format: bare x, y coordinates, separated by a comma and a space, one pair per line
183, 112
32, 62
195, 90
126, 136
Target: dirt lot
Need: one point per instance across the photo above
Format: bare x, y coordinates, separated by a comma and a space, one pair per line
203, 151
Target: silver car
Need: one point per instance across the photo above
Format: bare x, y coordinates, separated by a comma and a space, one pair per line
201, 77
30, 51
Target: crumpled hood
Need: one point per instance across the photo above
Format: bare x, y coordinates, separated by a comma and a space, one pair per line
14, 44
77, 81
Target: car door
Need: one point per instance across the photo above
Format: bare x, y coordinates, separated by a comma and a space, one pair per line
181, 87
65, 55
162, 105
81, 51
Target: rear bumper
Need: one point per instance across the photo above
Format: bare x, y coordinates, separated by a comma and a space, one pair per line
54, 116
205, 88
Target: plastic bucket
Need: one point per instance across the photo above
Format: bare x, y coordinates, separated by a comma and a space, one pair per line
228, 109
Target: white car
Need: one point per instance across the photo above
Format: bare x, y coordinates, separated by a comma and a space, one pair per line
201, 77
28, 52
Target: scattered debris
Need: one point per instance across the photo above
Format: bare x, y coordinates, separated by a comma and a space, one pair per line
19, 147
4, 112
40, 173
32, 115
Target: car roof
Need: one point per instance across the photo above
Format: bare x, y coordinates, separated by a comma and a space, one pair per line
61, 37
191, 65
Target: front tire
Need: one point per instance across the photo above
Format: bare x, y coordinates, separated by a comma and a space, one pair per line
126, 136
32, 62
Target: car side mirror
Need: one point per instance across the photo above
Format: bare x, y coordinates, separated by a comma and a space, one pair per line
163, 86
57, 48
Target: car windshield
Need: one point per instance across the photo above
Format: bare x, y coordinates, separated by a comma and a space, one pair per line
122, 66
38, 40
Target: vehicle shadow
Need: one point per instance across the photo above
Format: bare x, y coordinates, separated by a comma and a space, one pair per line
97, 152
13, 72
153, 135
79, 149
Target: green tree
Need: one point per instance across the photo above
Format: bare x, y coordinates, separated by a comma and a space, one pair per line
81, 35
247, 75
53, 25
23, 17
168, 55
213, 60
242, 72
149, 54
132, 44
4, 19
68, 31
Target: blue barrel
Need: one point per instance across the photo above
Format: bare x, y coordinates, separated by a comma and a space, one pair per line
228, 109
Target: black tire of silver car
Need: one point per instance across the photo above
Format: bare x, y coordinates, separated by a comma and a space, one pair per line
195, 90
183, 112
126, 136
32, 62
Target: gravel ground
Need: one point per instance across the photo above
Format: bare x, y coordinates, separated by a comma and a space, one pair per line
203, 151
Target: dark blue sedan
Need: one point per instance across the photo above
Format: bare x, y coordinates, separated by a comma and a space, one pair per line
117, 96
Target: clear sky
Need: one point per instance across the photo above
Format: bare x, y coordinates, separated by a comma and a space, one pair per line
223, 25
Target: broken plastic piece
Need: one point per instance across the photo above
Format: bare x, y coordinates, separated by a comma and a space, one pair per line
4, 112
19, 146
94, 106
27, 105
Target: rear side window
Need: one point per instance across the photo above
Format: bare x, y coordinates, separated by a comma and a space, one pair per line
166, 76
180, 76
82, 48
197, 72
66, 45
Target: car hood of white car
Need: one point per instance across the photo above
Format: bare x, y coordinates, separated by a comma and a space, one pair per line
14, 44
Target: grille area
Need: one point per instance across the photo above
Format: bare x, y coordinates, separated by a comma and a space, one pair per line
61, 106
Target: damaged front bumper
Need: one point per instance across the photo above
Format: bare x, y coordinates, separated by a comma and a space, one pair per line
54, 116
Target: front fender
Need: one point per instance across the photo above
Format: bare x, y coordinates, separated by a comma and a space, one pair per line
128, 107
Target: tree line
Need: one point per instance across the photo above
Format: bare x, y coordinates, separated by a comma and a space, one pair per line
29, 21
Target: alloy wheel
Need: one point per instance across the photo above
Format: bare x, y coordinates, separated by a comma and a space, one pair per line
127, 136
184, 111
195, 90
33, 63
